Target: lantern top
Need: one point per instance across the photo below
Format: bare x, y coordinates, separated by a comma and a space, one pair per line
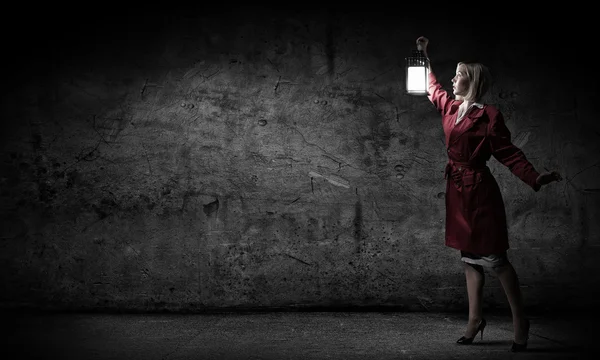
418, 58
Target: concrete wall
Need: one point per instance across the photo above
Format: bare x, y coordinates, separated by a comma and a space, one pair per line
251, 157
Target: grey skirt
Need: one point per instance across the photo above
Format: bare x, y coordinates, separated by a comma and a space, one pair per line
488, 261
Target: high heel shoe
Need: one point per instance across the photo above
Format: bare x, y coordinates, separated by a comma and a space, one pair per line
516, 347
468, 340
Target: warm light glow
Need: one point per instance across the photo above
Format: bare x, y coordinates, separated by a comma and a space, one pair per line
416, 82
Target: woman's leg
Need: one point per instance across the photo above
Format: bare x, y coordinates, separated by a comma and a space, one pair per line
510, 282
475, 281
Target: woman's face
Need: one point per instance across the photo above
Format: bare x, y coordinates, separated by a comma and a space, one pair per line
460, 83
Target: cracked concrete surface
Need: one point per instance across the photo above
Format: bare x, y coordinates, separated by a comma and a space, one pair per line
288, 335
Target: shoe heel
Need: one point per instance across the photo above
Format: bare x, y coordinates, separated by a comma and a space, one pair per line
467, 341
481, 326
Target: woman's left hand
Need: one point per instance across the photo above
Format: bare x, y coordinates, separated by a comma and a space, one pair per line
548, 177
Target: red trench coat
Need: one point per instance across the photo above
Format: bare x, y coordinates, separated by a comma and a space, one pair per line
475, 215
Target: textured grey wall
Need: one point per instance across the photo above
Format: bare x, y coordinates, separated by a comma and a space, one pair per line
266, 158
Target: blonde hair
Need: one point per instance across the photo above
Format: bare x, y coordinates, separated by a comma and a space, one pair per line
479, 78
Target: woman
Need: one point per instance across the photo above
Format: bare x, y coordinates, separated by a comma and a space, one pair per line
475, 215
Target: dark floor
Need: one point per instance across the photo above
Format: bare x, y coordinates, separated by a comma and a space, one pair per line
286, 335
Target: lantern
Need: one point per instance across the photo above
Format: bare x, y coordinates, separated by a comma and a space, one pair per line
417, 72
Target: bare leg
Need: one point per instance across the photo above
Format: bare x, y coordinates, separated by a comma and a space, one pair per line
475, 281
510, 282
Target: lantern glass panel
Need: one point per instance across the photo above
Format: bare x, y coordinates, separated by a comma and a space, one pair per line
416, 82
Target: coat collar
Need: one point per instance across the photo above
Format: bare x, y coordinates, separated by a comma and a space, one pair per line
476, 104
470, 120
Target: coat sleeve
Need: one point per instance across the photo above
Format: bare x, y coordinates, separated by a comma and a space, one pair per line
509, 154
437, 95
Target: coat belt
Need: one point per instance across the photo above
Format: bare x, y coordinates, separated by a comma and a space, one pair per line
464, 173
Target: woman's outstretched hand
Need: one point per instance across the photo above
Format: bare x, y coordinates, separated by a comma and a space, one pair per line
548, 177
